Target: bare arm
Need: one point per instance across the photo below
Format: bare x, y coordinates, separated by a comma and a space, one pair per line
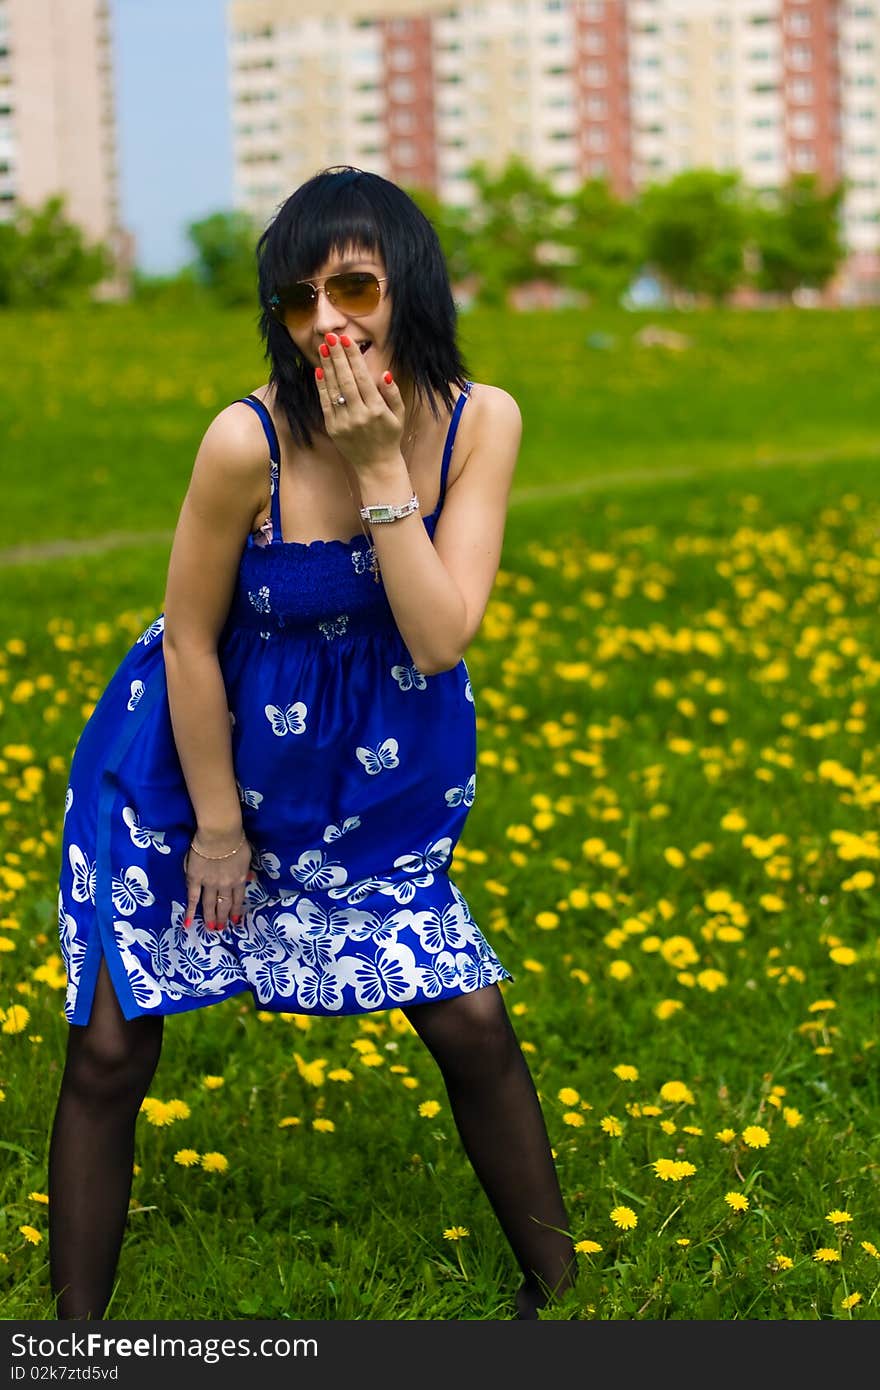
438, 592
227, 487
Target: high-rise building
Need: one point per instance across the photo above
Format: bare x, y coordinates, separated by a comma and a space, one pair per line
631, 90
57, 117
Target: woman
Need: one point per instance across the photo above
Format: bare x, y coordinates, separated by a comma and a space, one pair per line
268, 794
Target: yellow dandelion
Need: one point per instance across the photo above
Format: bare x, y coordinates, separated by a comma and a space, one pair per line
31, 1234
736, 1201
611, 1125
187, 1158
178, 1110
755, 1136
14, 1019
827, 1256
870, 1248
674, 857
215, 1162
213, 1083
568, 1095
587, 1247
676, 1092
620, 970
429, 1108
547, 920
323, 1126
287, 1121
456, 1233
791, 1116
39, 1197
683, 1240
841, 955
837, 1217
624, 1218
666, 1008
725, 1136
783, 1262
573, 1118
624, 1072
851, 1301
343, 1074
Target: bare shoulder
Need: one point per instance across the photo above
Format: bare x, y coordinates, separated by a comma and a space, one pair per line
492, 430
495, 406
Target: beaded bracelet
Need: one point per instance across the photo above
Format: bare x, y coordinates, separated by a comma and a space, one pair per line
218, 856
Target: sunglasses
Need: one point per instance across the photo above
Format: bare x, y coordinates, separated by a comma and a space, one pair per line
355, 292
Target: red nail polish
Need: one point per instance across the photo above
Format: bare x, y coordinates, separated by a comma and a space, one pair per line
187, 921
236, 920
388, 378
331, 339
324, 350
319, 373
344, 340
210, 926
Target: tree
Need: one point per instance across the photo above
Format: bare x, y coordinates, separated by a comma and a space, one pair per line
516, 213
45, 261
606, 239
798, 237
695, 231
226, 262
451, 225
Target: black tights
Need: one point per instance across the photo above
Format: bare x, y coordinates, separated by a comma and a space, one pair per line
111, 1062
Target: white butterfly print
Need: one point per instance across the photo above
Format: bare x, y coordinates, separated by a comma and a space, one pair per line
291, 719
268, 864
439, 975
457, 796
68, 801
356, 892
137, 690
157, 626
362, 560
314, 870
260, 600
333, 832
248, 797
409, 677
436, 855
84, 876
141, 836
334, 627
131, 891
440, 931
391, 975
269, 979
316, 990
375, 759
73, 951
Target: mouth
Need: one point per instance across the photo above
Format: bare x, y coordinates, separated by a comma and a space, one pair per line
365, 345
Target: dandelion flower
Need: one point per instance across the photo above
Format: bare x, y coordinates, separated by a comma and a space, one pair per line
871, 1249
624, 1218
791, 1116
756, 1136
588, 1247
626, 1073
611, 1126
39, 1197
783, 1262
568, 1095
456, 1233
215, 1162
31, 1233
838, 1218
825, 1255
675, 1092
851, 1300
213, 1083
573, 1118
323, 1126
178, 1110
287, 1120
736, 1201
187, 1158
429, 1108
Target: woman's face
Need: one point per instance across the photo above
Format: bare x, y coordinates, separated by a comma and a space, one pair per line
373, 327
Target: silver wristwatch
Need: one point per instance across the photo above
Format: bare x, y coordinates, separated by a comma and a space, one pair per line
386, 512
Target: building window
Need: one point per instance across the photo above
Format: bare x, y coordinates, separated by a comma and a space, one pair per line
803, 124
798, 23
800, 55
402, 57
800, 89
803, 157
402, 88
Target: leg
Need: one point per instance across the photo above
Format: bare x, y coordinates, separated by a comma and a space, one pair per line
109, 1066
499, 1119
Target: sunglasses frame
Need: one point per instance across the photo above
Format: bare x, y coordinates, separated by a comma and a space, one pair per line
276, 304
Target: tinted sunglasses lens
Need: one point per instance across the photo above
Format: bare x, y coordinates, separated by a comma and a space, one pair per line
294, 304
355, 292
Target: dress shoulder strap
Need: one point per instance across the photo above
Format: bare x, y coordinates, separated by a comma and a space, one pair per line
274, 459
450, 438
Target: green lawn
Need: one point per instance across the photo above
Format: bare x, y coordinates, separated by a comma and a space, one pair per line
673, 848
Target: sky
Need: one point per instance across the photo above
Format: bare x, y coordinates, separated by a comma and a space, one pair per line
173, 122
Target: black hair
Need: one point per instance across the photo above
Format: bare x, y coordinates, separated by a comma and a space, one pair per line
343, 206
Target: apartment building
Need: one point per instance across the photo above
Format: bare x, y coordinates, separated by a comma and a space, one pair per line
632, 90
57, 117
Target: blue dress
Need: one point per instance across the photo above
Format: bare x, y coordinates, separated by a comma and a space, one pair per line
355, 772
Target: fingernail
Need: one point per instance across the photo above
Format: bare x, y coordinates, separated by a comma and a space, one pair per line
187, 921
210, 926
388, 378
319, 373
324, 350
331, 339
236, 920
343, 338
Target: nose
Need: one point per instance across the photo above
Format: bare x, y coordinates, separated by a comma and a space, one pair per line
328, 319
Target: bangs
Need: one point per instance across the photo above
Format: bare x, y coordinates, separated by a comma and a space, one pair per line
332, 219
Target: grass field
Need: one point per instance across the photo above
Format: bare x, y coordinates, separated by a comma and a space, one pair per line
673, 848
